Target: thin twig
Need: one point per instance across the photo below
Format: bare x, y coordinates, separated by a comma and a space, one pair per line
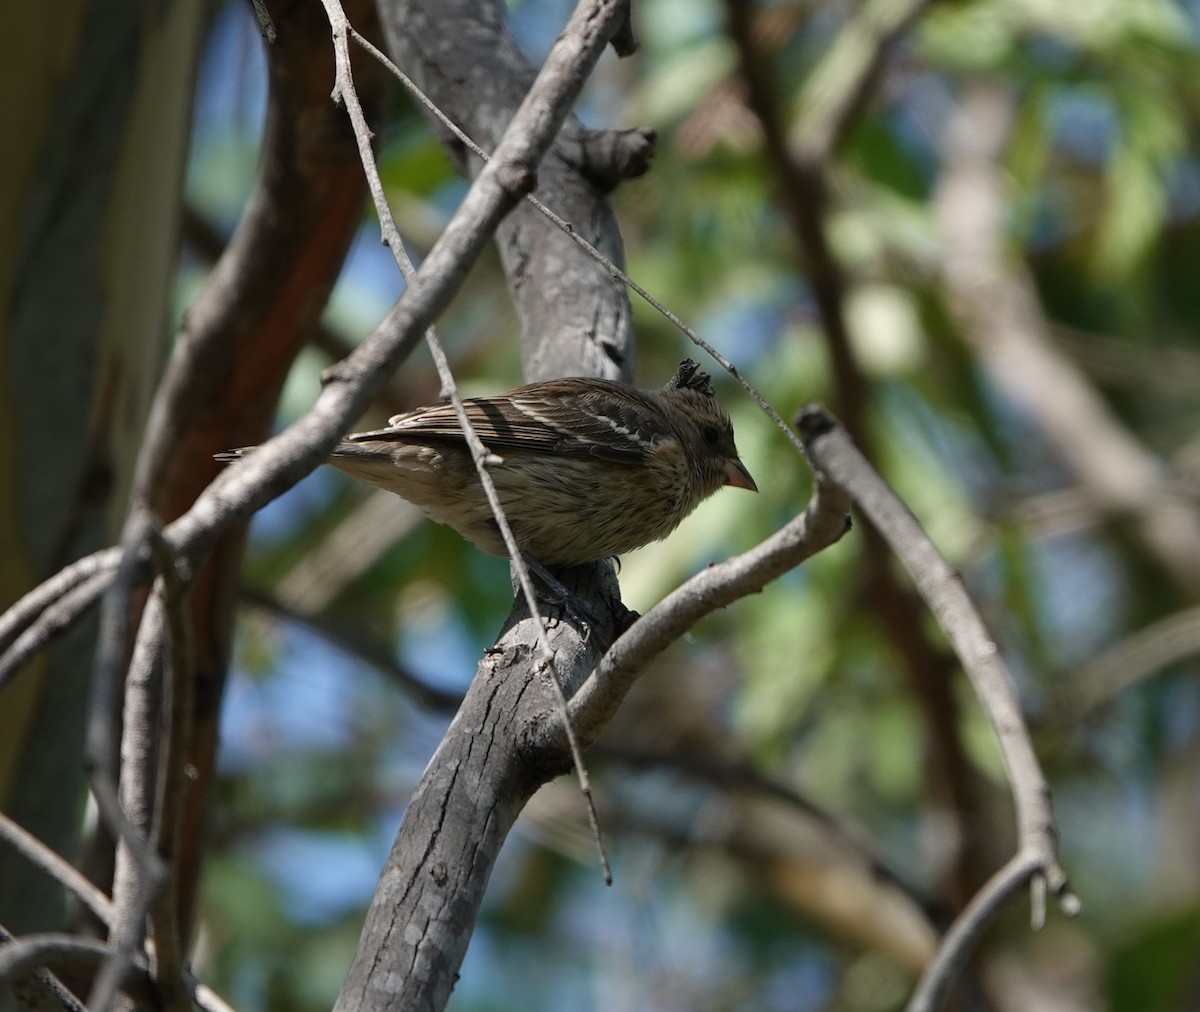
59, 613
206, 999
128, 931
23, 613
985, 905
144, 874
344, 91
103, 740
139, 742
178, 707
833, 453
822, 523
152, 765
265, 25
28, 951
58, 868
39, 989
40, 855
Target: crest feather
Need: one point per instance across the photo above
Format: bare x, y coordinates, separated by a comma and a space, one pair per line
689, 377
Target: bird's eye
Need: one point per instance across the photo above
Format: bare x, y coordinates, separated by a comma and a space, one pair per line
711, 435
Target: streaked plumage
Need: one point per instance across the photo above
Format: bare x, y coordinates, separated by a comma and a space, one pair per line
590, 468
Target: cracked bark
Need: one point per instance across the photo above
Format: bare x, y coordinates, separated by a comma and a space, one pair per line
476, 784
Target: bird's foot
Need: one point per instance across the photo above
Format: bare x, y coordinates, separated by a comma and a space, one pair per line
575, 609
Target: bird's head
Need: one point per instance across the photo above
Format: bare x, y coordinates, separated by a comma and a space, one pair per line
706, 430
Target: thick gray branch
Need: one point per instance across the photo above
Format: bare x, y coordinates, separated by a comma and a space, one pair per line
574, 315
477, 782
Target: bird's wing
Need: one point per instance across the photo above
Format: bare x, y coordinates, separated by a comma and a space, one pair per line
575, 418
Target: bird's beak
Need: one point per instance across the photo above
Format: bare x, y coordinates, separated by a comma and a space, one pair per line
737, 475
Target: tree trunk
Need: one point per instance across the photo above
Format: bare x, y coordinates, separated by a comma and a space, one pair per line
96, 135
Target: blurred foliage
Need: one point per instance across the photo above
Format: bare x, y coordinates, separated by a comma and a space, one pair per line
802, 681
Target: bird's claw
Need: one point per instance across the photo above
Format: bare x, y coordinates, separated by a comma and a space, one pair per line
574, 609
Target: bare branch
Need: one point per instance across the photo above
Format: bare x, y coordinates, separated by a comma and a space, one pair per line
41, 856
984, 907
39, 989
942, 588
58, 612
487, 766
23, 613
100, 905
174, 742
103, 738
822, 523
70, 952
118, 765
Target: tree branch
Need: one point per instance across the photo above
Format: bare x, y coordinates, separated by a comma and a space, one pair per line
574, 315
58, 868
958, 942
39, 989
22, 614
822, 523
943, 590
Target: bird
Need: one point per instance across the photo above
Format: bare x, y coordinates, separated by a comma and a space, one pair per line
585, 469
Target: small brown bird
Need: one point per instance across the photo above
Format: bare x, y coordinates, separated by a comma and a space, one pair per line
589, 469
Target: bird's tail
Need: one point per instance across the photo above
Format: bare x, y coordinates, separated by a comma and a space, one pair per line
376, 464
351, 450
229, 456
